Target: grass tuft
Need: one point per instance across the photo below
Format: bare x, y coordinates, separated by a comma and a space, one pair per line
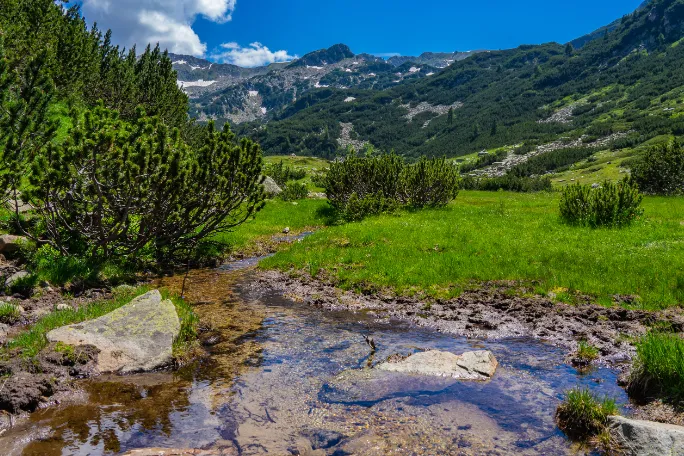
585, 354
9, 313
186, 345
583, 415
658, 369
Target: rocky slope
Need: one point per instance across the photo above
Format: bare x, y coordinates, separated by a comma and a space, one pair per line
225, 92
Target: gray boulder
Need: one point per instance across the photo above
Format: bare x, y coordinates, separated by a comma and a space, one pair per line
134, 338
646, 438
271, 188
14, 278
477, 365
10, 243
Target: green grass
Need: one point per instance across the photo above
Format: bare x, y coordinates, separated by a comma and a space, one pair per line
502, 236
583, 415
277, 215
659, 366
9, 313
585, 354
186, 342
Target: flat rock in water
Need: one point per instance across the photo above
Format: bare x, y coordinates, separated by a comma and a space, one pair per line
476, 365
646, 438
134, 338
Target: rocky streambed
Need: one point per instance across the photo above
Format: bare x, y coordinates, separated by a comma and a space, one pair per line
297, 367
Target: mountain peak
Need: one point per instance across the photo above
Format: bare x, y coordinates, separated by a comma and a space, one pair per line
323, 57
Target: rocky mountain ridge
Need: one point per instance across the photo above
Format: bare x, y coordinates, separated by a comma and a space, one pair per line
225, 92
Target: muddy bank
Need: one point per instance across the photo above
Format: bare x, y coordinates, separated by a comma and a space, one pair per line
494, 311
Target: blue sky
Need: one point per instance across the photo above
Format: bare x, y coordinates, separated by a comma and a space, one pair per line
280, 29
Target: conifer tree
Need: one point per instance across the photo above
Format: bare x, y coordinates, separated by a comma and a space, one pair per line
25, 126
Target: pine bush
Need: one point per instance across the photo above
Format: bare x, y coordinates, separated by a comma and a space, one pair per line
611, 204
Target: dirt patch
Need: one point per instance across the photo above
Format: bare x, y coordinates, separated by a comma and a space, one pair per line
495, 311
30, 383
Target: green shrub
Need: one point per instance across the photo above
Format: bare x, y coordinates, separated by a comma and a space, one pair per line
429, 183
318, 179
359, 208
583, 415
146, 192
508, 182
609, 205
658, 369
282, 173
9, 313
484, 161
661, 170
361, 186
294, 191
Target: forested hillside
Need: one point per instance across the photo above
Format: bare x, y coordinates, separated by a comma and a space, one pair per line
628, 81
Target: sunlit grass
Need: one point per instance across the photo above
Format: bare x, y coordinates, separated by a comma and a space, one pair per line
502, 236
659, 366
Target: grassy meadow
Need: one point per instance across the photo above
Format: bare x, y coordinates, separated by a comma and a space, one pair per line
495, 236
303, 215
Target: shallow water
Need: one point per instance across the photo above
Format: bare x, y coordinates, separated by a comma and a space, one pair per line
270, 387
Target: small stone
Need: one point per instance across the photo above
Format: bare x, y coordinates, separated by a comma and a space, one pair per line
61, 306
286, 230
595, 185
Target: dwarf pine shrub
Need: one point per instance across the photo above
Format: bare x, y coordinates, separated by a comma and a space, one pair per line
661, 171
611, 204
361, 186
294, 191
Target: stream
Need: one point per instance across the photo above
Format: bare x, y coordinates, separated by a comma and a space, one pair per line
269, 386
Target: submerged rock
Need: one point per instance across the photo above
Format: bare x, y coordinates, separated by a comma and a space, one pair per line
646, 438
136, 337
477, 365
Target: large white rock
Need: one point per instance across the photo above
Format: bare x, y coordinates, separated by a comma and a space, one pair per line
270, 187
476, 365
136, 337
646, 438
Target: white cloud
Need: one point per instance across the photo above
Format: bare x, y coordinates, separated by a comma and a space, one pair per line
167, 22
256, 54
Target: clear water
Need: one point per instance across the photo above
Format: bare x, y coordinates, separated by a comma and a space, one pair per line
274, 391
